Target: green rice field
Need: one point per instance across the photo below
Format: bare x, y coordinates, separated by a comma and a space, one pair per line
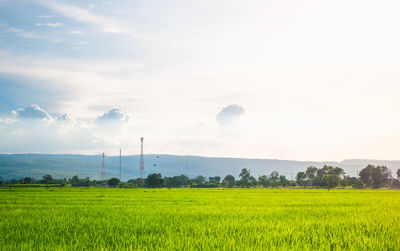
198, 219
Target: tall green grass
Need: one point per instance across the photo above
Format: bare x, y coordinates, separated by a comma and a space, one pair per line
206, 219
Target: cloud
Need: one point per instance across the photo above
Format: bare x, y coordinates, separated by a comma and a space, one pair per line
23, 33
229, 114
63, 117
49, 24
31, 112
75, 32
46, 16
114, 115
106, 25
58, 133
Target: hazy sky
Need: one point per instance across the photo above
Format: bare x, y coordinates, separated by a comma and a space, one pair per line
304, 80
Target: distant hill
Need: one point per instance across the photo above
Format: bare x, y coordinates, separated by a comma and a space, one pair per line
66, 165
394, 164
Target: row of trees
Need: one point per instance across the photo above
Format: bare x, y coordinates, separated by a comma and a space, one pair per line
49, 180
327, 177
246, 180
369, 177
156, 180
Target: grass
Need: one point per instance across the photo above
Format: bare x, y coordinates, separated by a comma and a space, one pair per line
206, 219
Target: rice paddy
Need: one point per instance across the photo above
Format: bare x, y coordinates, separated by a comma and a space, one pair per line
198, 219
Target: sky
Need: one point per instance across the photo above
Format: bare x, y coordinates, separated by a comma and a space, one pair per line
300, 80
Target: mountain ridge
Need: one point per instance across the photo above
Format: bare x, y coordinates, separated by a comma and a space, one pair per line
66, 165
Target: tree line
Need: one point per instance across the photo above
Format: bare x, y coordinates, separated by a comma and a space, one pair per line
326, 177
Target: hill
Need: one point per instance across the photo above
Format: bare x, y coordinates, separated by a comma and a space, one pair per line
13, 166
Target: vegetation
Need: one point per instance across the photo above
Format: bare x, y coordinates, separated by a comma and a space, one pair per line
313, 177
113, 182
202, 219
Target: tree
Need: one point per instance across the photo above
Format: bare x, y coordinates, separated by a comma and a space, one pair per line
253, 181
398, 173
380, 176
274, 182
199, 180
338, 171
47, 179
113, 182
176, 181
311, 173
183, 180
365, 175
359, 184
274, 179
229, 180
74, 181
300, 178
64, 182
346, 181
263, 180
245, 176
77, 182
274, 175
85, 182
214, 180
27, 180
331, 180
155, 180
283, 181
376, 176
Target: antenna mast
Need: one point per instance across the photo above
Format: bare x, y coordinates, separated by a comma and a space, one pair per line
141, 161
103, 169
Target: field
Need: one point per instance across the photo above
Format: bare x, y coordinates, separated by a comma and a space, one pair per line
207, 219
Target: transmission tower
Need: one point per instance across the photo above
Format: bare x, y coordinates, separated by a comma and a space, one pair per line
103, 169
120, 161
141, 161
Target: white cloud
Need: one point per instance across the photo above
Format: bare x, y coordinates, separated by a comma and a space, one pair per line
75, 32
60, 133
46, 16
116, 114
229, 115
14, 30
63, 117
23, 33
48, 24
106, 25
31, 112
